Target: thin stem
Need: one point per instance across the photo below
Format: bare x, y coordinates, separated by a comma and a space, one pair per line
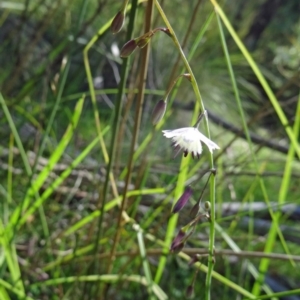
199, 102
188, 32
97, 122
281, 115
140, 98
275, 216
116, 122
200, 118
202, 252
171, 86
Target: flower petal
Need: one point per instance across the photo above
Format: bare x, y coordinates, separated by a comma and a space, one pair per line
189, 139
171, 133
210, 144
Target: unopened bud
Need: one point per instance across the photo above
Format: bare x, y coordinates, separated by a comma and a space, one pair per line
183, 200
128, 48
177, 240
118, 22
158, 111
194, 211
189, 291
207, 205
176, 249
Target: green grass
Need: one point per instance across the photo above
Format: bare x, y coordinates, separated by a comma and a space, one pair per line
88, 184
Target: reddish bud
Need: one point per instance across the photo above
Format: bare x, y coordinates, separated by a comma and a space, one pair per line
176, 249
158, 111
183, 200
128, 48
178, 240
118, 22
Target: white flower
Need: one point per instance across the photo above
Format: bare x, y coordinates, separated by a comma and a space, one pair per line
189, 139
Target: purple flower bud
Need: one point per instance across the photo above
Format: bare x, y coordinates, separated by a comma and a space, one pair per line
128, 48
178, 240
118, 22
158, 111
176, 249
183, 200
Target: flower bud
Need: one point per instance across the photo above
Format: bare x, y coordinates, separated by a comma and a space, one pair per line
183, 200
118, 22
128, 48
177, 240
189, 291
177, 248
194, 211
158, 111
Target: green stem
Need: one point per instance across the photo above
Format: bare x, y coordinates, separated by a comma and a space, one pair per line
260, 77
199, 102
139, 105
275, 217
116, 122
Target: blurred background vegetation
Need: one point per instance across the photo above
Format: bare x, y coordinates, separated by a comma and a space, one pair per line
53, 168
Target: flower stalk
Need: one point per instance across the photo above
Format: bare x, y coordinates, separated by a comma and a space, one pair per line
199, 104
140, 42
